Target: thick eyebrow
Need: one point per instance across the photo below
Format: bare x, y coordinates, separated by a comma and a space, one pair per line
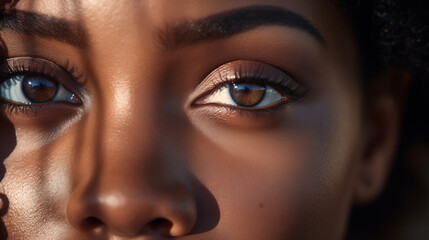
227, 24
33, 24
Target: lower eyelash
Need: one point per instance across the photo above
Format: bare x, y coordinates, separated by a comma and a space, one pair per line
256, 114
21, 109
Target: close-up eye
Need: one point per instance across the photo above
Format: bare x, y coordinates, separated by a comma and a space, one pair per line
28, 81
28, 89
250, 85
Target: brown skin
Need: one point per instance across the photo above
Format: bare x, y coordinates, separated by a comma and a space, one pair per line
137, 160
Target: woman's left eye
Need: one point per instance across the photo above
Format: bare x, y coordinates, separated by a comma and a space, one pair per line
248, 85
246, 95
29, 89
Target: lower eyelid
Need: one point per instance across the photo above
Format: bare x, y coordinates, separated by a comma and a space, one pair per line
39, 112
276, 106
239, 117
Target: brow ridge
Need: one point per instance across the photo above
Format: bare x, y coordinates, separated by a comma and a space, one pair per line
34, 24
232, 22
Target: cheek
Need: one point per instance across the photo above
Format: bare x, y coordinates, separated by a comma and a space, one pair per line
255, 185
36, 185
27, 132
283, 179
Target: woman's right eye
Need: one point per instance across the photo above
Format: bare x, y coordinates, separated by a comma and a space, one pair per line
29, 89
26, 81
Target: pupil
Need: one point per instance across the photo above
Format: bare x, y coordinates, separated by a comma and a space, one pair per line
247, 95
39, 90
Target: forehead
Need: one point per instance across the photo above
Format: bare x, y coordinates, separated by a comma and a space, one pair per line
165, 10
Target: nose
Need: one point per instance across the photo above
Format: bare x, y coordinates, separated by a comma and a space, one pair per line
123, 186
124, 212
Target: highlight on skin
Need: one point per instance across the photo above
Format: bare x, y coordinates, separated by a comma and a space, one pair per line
174, 119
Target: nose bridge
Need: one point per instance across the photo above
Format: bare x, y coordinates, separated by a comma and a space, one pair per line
118, 135
122, 181
128, 145
128, 129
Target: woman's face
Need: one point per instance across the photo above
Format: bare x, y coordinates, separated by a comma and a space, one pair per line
196, 119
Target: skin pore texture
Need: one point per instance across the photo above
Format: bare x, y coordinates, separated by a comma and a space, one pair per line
148, 148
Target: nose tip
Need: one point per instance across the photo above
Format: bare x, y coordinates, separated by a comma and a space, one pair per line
166, 214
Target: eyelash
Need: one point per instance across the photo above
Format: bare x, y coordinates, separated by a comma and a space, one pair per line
32, 70
280, 86
254, 113
19, 66
21, 109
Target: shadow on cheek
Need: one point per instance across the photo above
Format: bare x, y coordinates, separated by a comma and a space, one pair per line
208, 209
7, 145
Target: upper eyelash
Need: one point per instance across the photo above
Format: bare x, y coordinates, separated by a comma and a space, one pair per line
72, 71
16, 69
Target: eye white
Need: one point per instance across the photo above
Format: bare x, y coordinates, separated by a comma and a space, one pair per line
223, 96
11, 89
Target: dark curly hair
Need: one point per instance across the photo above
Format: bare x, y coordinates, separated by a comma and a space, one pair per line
391, 32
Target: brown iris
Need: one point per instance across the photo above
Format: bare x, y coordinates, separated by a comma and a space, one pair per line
247, 95
39, 90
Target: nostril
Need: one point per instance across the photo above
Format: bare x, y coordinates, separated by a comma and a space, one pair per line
161, 226
92, 224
